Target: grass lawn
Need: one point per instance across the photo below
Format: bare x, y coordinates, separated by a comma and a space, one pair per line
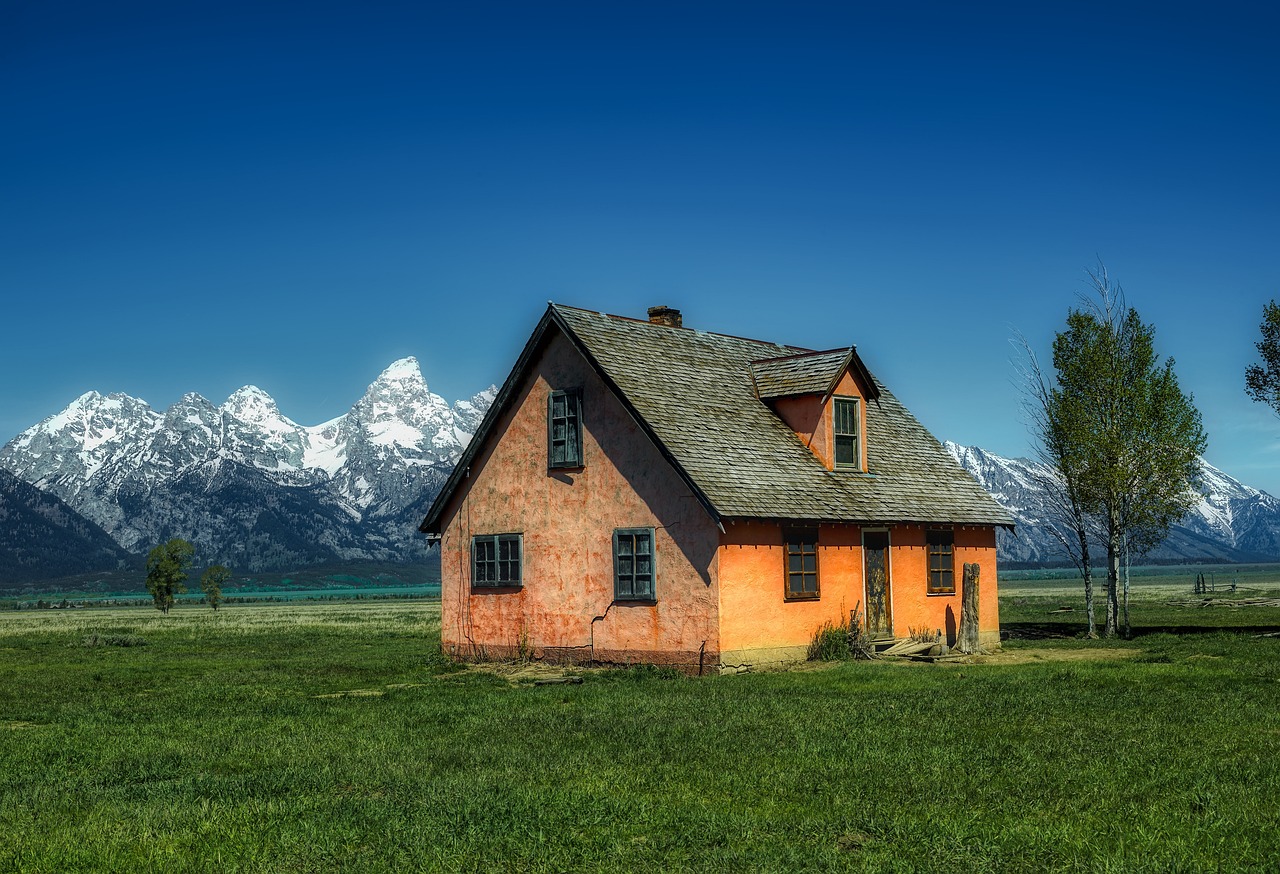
323, 737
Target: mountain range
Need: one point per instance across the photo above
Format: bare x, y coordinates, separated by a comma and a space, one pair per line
1230, 521
98, 484
250, 487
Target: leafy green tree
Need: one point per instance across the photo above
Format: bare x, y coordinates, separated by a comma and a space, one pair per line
1262, 381
1130, 440
211, 583
167, 566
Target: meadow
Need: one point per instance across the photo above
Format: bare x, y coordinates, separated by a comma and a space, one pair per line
333, 736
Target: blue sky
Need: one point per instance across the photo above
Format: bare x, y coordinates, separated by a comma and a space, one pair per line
197, 196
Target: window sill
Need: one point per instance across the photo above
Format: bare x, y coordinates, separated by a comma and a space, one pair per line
950, 594
495, 590
635, 602
789, 598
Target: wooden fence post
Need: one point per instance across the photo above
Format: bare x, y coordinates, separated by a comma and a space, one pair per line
967, 636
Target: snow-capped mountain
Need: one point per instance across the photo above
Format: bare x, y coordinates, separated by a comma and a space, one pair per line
1231, 521
249, 486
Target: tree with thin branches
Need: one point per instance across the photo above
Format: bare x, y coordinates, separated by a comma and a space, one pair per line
1124, 438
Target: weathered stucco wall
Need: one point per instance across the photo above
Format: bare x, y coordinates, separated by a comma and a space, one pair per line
567, 518
758, 623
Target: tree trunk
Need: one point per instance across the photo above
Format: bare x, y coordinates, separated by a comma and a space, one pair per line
967, 636
1087, 571
1127, 632
1113, 575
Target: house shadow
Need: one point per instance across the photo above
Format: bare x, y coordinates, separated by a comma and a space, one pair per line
1071, 630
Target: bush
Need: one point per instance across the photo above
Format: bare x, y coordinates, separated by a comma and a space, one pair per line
832, 642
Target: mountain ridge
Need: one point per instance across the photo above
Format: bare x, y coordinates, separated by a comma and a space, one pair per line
1230, 521
249, 486
257, 491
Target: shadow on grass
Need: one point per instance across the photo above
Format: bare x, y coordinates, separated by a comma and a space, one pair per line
1071, 630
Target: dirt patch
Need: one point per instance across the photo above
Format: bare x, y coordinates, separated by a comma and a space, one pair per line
525, 673
1025, 656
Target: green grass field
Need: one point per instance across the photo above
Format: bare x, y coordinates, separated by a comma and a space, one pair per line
324, 737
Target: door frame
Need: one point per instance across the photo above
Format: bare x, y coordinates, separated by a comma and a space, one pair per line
888, 581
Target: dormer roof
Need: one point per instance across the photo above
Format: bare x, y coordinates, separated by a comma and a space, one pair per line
806, 373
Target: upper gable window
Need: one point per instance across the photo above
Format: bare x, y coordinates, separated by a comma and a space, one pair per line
848, 452
564, 428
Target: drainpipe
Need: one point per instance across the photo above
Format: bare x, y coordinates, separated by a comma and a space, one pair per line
593, 632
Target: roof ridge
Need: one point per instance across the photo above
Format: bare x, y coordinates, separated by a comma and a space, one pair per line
809, 354
800, 350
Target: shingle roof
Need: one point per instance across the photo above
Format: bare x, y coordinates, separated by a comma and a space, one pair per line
806, 373
696, 395
695, 392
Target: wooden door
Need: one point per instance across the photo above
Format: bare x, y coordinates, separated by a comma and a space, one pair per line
879, 600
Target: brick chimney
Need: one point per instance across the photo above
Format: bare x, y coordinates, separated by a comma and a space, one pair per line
665, 316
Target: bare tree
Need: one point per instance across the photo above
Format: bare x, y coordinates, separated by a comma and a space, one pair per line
1058, 476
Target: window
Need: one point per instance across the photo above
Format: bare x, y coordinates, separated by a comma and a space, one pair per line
495, 560
942, 562
633, 564
802, 562
564, 429
848, 456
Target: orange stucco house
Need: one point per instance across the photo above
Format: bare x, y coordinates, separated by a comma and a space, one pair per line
644, 492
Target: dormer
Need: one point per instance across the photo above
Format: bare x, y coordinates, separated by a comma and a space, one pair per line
822, 396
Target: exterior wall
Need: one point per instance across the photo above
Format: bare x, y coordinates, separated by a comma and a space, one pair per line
914, 607
758, 625
565, 609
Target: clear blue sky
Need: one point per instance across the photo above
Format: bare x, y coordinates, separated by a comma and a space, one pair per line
195, 196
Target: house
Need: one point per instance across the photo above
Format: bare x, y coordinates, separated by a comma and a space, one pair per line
644, 492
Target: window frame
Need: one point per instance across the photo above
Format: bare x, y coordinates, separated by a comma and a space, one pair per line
494, 563
572, 419
837, 435
795, 539
940, 549
621, 536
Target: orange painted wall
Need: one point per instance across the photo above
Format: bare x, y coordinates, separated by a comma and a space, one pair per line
756, 617
754, 612
914, 607
567, 518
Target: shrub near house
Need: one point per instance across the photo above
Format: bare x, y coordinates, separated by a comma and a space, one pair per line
641, 491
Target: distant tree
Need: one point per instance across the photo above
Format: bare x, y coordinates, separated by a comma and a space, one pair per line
211, 583
1130, 438
1262, 381
167, 571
